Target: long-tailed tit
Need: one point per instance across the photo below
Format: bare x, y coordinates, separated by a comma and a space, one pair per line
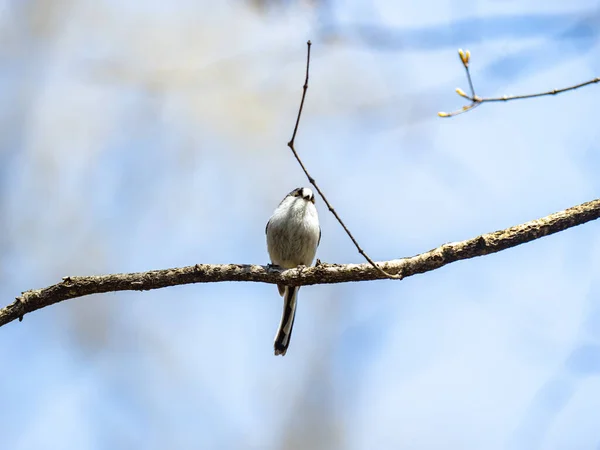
293, 235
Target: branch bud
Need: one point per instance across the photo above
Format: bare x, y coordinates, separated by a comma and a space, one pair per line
464, 57
462, 93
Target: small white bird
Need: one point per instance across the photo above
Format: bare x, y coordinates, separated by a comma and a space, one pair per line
293, 235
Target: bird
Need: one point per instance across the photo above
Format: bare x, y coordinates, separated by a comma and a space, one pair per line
293, 235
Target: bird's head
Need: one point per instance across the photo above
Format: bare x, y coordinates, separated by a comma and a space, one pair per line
304, 193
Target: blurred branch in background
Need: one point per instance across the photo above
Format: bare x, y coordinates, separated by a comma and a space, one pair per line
72, 287
265, 5
580, 26
465, 57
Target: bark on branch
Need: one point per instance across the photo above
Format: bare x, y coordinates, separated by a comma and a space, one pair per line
72, 287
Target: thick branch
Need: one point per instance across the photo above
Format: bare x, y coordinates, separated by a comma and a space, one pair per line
72, 287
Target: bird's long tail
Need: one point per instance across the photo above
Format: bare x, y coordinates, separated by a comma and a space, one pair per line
284, 333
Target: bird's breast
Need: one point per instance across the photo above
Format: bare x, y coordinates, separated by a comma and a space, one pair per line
293, 235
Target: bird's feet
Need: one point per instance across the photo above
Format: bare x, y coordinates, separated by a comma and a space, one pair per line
273, 267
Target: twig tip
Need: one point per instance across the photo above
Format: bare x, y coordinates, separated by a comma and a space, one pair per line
462, 93
465, 56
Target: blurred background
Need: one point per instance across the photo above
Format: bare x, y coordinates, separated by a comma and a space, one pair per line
142, 135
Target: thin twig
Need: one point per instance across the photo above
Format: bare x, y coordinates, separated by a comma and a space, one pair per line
477, 100
314, 183
72, 287
465, 59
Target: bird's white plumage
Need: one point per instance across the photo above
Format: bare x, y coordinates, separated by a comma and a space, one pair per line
293, 234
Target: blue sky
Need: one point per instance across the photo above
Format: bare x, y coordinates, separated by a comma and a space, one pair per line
149, 135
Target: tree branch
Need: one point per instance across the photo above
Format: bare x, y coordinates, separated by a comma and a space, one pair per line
477, 100
72, 287
312, 181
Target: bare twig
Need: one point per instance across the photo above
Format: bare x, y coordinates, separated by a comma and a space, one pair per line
72, 287
477, 100
314, 183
